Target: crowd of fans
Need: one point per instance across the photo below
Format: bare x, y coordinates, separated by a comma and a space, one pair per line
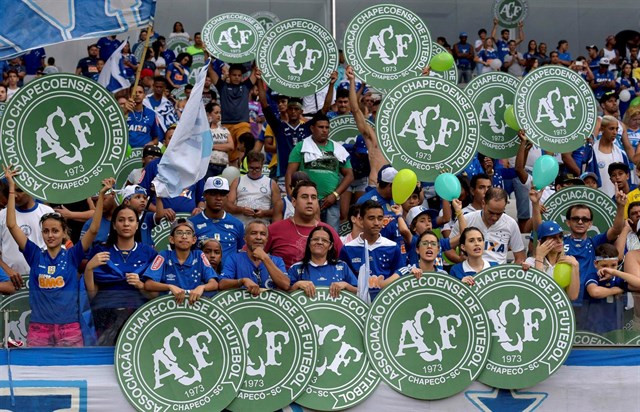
305, 207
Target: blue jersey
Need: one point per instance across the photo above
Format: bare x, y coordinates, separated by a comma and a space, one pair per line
128, 71
229, 231
111, 278
564, 56
286, 136
188, 199
240, 266
107, 46
169, 56
33, 60
178, 78
147, 223
54, 285
143, 126
390, 228
103, 232
384, 259
584, 252
502, 48
463, 63
323, 275
412, 253
3, 276
463, 269
605, 315
599, 79
167, 269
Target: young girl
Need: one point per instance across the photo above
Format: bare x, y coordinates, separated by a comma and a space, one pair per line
112, 275
472, 245
54, 279
428, 248
212, 250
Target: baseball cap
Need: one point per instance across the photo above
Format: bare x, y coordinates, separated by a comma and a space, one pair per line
152, 150
463, 34
569, 178
618, 166
131, 190
386, 174
588, 174
548, 228
216, 183
592, 46
182, 222
146, 73
360, 146
604, 61
295, 101
418, 211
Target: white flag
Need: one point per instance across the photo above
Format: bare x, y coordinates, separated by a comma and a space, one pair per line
112, 74
363, 277
187, 157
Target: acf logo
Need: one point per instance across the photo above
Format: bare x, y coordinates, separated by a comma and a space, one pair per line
491, 94
510, 12
297, 57
428, 338
603, 208
281, 347
532, 325
266, 19
386, 44
19, 310
160, 233
557, 108
343, 374
427, 125
232, 37
180, 357
65, 134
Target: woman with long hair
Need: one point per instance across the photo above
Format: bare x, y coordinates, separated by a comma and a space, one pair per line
178, 31
472, 246
487, 55
112, 276
320, 267
178, 72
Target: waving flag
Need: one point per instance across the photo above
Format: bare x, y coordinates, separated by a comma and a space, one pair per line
187, 157
29, 24
112, 74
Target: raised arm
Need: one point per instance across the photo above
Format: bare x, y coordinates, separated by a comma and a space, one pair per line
17, 233
329, 97
618, 222
90, 235
521, 156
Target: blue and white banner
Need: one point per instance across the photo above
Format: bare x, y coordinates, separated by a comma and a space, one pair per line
112, 76
29, 24
187, 157
83, 379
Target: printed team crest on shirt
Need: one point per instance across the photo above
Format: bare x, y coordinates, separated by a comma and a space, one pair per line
51, 270
205, 260
157, 263
26, 229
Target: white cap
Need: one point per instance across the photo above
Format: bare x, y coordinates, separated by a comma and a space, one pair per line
416, 211
604, 60
386, 174
131, 190
216, 183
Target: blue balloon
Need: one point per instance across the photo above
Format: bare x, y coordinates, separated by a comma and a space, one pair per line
545, 171
447, 186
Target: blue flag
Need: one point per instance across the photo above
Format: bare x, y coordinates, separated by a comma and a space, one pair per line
29, 24
112, 76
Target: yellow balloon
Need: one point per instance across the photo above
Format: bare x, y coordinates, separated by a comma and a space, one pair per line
403, 185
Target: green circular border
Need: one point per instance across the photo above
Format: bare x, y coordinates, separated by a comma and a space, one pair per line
558, 203
265, 58
246, 55
527, 379
338, 124
364, 71
160, 232
129, 164
174, 42
512, 23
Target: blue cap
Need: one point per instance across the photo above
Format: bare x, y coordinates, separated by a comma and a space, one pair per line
463, 34
548, 228
360, 146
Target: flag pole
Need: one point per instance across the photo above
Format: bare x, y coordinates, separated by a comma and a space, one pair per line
144, 53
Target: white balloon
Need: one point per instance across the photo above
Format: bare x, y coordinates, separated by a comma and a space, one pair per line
230, 173
495, 64
625, 96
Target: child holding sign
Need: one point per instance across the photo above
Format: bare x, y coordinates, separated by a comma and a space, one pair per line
54, 279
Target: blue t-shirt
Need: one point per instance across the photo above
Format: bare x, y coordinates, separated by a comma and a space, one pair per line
584, 252
103, 232
599, 79
167, 269
33, 60
463, 63
147, 223
111, 278
286, 137
385, 258
3, 276
188, 199
240, 266
54, 284
176, 76
390, 228
323, 275
234, 100
502, 48
229, 231
128, 71
107, 47
143, 127
169, 56
564, 56
88, 67
605, 315
462, 269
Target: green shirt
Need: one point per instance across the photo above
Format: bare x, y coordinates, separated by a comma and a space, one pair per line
193, 50
325, 171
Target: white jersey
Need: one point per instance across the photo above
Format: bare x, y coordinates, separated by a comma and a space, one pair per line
610, 54
253, 194
29, 222
498, 238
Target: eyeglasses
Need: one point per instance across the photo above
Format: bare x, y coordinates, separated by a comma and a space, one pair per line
320, 240
429, 243
580, 219
182, 233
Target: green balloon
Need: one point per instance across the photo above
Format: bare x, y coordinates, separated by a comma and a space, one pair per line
562, 274
128, 152
635, 102
441, 62
510, 118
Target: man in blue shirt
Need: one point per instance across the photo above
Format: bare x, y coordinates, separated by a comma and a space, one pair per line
603, 80
254, 268
181, 271
144, 124
34, 60
161, 105
463, 52
107, 46
502, 44
88, 66
384, 254
214, 223
563, 53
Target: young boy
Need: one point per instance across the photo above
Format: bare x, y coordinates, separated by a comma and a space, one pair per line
606, 286
181, 271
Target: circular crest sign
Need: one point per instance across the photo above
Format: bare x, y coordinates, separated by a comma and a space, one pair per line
297, 57
160, 232
266, 19
232, 37
343, 129
490, 94
64, 134
130, 163
532, 325
178, 44
386, 44
17, 304
186, 356
427, 125
343, 374
510, 12
428, 338
556, 107
281, 348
